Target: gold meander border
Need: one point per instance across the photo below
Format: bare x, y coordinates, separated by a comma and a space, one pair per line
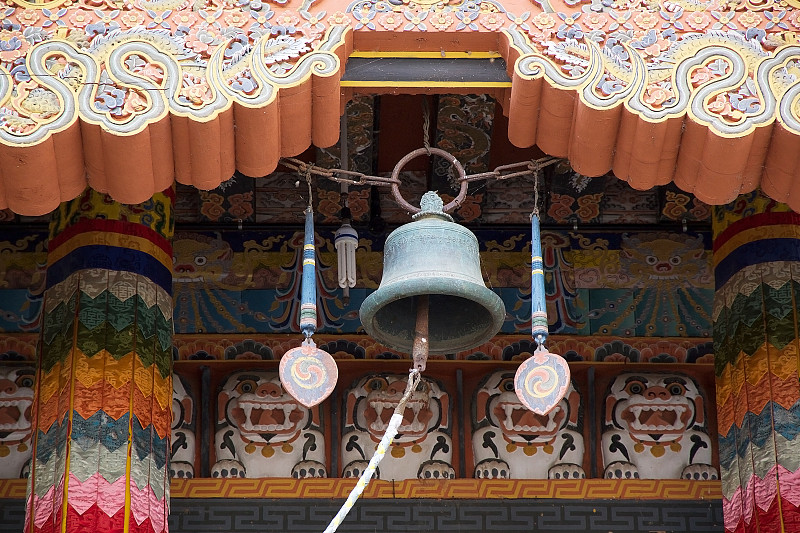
471, 489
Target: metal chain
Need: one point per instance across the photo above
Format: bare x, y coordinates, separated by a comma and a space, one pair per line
426, 125
503, 172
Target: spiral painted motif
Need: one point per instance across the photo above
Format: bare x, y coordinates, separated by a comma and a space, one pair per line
308, 374
541, 382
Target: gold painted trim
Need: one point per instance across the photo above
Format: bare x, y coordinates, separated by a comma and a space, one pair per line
475, 489
462, 489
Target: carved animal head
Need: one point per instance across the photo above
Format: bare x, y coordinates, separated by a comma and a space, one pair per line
662, 256
182, 404
16, 398
371, 401
653, 406
256, 403
496, 404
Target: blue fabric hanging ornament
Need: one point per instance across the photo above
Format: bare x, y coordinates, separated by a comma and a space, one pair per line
308, 373
541, 380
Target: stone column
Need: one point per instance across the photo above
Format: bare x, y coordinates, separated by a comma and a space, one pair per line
757, 276
104, 384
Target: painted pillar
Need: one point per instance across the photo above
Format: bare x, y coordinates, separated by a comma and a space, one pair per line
104, 385
757, 276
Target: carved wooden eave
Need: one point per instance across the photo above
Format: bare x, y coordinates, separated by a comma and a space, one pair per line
131, 95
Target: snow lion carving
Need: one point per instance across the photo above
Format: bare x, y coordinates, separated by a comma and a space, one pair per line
422, 447
655, 428
16, 398
182, 441
510, 441
263, 432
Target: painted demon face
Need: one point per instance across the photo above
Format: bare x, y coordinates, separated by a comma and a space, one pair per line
198, 259
372, 401
653, 406
16, 398
498, 404
256, 403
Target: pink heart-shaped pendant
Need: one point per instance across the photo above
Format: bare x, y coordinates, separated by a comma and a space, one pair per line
541, 381
308, 373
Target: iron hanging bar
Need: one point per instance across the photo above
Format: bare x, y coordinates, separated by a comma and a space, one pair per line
520, 169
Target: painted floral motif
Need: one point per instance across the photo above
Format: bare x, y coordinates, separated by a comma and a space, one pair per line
748, 19
646, 20
79, 19
492, 21
140, 66
195, 90
29, 17
391, 21
13, 45
543, 21
415, 20
441, 20
131, 19
202, 38
698, 20
657, 94
520, 21
596, 21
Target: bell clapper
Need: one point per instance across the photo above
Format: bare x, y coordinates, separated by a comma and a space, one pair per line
419, 350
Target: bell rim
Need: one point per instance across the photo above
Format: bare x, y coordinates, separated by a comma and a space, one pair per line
483, 295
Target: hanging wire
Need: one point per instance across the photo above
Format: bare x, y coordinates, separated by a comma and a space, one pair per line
391, 430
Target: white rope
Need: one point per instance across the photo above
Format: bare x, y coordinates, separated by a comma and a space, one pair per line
380, 451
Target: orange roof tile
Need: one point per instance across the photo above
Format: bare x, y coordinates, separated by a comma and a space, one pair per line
128, 100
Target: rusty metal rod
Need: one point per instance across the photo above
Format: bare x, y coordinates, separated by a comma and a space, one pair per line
419, 350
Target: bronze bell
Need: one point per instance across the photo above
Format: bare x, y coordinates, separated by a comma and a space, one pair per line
435, 257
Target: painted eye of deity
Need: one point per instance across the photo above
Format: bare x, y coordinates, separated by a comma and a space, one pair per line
635, 387
200, 260
676, 389
507, 385
377, 384
246, 386
25, 381
651, 259
675, 260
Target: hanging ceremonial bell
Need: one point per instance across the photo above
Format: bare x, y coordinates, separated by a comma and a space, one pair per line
436, 257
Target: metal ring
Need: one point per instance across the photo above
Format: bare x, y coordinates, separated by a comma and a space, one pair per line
462, 178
